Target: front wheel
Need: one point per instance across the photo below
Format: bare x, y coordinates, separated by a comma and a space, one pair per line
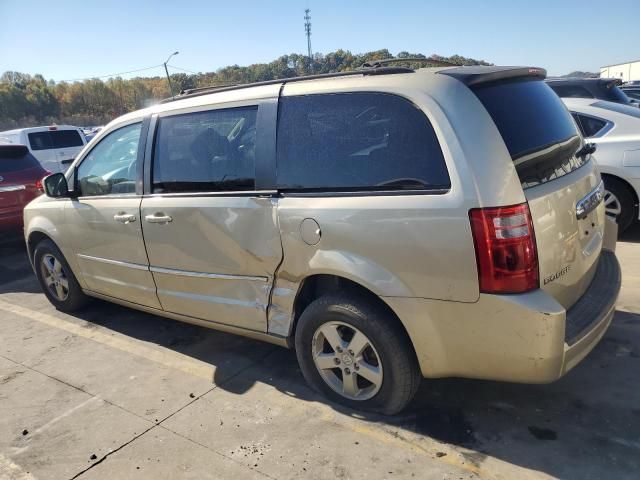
354, 352
56, 278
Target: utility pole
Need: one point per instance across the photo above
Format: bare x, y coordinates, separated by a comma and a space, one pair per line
167, 72
307, 29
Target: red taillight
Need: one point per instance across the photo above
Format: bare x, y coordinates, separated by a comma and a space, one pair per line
505, 249
38, 184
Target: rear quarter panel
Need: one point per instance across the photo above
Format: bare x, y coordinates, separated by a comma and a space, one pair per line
394, 245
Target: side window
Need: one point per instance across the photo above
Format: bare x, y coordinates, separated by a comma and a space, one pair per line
590, 125
362, 141
206, 151
111, 166
576, 118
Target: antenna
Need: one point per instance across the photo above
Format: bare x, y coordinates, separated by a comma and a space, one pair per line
307, 30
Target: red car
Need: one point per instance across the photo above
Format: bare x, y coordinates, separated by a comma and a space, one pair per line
20, 182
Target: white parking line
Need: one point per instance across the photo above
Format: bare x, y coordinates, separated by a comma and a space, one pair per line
12, 471
166, 357
53, 421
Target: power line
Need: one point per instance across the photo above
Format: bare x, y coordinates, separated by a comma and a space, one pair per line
112, 74
183, 69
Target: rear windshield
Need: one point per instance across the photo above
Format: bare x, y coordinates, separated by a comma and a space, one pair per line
16, 159
55, 139
536, 127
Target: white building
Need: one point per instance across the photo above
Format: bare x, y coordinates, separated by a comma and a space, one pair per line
625, 71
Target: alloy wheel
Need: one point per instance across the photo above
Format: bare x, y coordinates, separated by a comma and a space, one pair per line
54, 276
347, 360
612, 206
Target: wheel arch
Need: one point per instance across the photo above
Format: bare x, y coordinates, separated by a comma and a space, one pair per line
636, 195
34, 238
38, 234
317, 285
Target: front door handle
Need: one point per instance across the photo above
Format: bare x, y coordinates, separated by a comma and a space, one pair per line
158, 218
124, 218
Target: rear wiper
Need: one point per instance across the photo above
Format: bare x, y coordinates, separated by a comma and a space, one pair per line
587, 149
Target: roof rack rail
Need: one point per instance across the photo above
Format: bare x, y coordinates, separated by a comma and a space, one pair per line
386, 61
209, 87
195, 92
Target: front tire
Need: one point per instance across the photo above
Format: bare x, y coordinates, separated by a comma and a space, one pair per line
56, 279
354, 352
619, 203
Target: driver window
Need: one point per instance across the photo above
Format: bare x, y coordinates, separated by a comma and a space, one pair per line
111, 166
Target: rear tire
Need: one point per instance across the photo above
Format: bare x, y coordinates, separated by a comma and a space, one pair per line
370, 364
619, 203
56, 279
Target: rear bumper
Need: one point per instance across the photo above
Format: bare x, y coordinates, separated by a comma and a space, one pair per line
527, 338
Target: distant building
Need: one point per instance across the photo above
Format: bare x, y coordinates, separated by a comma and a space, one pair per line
625, 71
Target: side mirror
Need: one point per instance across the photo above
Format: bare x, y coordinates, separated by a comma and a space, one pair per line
55, 186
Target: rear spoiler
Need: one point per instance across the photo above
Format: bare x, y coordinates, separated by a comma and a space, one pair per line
476, 75
13, 150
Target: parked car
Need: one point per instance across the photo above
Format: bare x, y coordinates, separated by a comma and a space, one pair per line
615, 129
389, 224
633, 92
20, 182
600, 88
54, 147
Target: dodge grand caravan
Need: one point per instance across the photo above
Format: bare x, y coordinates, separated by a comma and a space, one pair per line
388, 224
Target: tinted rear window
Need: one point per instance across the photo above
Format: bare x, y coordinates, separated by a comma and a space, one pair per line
528, 114
16, 159
357, 141
538, 130
571, 91
55, 139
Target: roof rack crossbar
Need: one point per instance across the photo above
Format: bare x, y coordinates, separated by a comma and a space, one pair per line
195, 92
434, 62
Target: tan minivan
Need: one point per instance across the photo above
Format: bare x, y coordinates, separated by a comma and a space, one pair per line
389, 224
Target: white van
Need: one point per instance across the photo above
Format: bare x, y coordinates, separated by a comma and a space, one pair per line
55, 146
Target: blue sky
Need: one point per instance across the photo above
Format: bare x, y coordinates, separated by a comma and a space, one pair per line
65, 39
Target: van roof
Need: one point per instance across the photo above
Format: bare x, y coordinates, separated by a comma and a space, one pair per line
470, 75
39, 129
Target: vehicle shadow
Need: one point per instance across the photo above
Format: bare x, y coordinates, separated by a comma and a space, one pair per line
584, 426
632, 234
15, 272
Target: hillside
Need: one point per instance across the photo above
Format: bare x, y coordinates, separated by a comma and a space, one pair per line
29, 100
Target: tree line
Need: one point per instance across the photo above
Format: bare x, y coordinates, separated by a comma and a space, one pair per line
31, 100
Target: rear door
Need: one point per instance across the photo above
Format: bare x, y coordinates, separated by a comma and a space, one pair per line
563, 187
210, 230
